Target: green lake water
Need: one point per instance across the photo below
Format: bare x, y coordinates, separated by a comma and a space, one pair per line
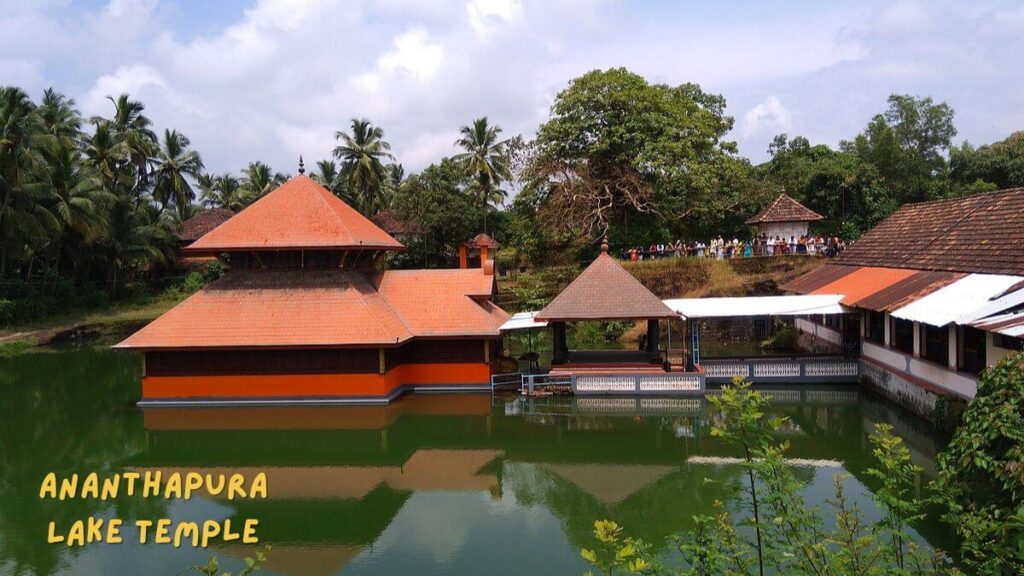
432, 484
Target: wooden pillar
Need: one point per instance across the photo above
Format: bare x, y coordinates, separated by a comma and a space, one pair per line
558, 342
463, 257
653, 337
487, 351
382, 364
954, 347
483, 256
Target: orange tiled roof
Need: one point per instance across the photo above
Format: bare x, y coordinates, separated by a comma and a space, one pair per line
299, 214
785, 209
326, 309
605, 291
864, 282
435, 303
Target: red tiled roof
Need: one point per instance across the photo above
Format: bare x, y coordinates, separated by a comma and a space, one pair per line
389, 223
605, 291
785, 209
299, 214
983, 233
482, 240
326, 309
445, 302
195, 227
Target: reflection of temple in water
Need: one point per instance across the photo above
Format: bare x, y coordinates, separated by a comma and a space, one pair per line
339, 476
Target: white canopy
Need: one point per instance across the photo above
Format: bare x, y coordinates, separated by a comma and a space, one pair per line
757, 306
522, 321
958, 302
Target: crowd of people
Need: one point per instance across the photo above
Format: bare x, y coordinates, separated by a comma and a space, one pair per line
721, 249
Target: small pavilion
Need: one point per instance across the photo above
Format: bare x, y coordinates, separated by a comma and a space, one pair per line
481, 248
784, 218
605, 291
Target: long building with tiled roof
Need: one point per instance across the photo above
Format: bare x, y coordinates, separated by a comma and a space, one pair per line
304, 314
938, 288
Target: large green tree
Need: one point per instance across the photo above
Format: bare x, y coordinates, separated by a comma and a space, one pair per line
996, 165
486, 161
363, 153
617, 147
908, 144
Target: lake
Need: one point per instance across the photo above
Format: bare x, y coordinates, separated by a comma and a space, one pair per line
432, 484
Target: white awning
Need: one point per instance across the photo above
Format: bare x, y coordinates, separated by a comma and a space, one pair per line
959, 301
522, 321
758, 306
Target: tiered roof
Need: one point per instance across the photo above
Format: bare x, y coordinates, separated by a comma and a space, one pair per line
785, 209
298, 215
326, 309
605, 291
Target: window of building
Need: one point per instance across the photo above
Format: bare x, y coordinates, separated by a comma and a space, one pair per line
902, 335
972, 350
935, 344
875, 327
1007, 342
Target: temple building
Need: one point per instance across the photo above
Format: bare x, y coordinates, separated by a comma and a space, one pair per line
937, 295
784, 218
305, 315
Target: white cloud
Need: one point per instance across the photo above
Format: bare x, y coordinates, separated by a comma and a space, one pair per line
770, 116
280, 77
485, 15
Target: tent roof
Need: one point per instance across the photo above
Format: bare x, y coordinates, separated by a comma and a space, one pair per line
605, 291
757, 306
785, 209
299, 214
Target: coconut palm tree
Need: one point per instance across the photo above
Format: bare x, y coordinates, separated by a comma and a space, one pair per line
132, 127
220, 191
257, 180
174, 164
60, 116
328, 175
24, 216
362, 154
486, 161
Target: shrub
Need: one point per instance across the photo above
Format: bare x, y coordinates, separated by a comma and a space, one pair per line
981, 473
7, 309
214, 271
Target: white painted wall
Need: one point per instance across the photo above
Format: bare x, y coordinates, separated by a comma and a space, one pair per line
961, 384
993, 353
783, 229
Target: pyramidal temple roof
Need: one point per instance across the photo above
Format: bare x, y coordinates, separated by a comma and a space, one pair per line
785, 209
605, 291
299, 214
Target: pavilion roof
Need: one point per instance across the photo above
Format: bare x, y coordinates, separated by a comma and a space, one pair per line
482, 240
605, 291
785, 209
299, 214
195, 227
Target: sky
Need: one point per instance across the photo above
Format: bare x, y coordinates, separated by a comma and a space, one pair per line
272, 79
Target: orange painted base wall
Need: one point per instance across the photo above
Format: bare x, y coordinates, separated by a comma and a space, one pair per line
314, 385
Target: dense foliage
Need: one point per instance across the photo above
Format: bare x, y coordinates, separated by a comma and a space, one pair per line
981, 474
779, 533
89, 207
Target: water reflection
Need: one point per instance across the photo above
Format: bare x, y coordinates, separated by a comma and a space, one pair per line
429, 484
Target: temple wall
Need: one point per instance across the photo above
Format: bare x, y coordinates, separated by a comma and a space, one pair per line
312, 375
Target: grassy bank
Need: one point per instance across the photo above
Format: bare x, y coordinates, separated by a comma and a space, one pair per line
668, 278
